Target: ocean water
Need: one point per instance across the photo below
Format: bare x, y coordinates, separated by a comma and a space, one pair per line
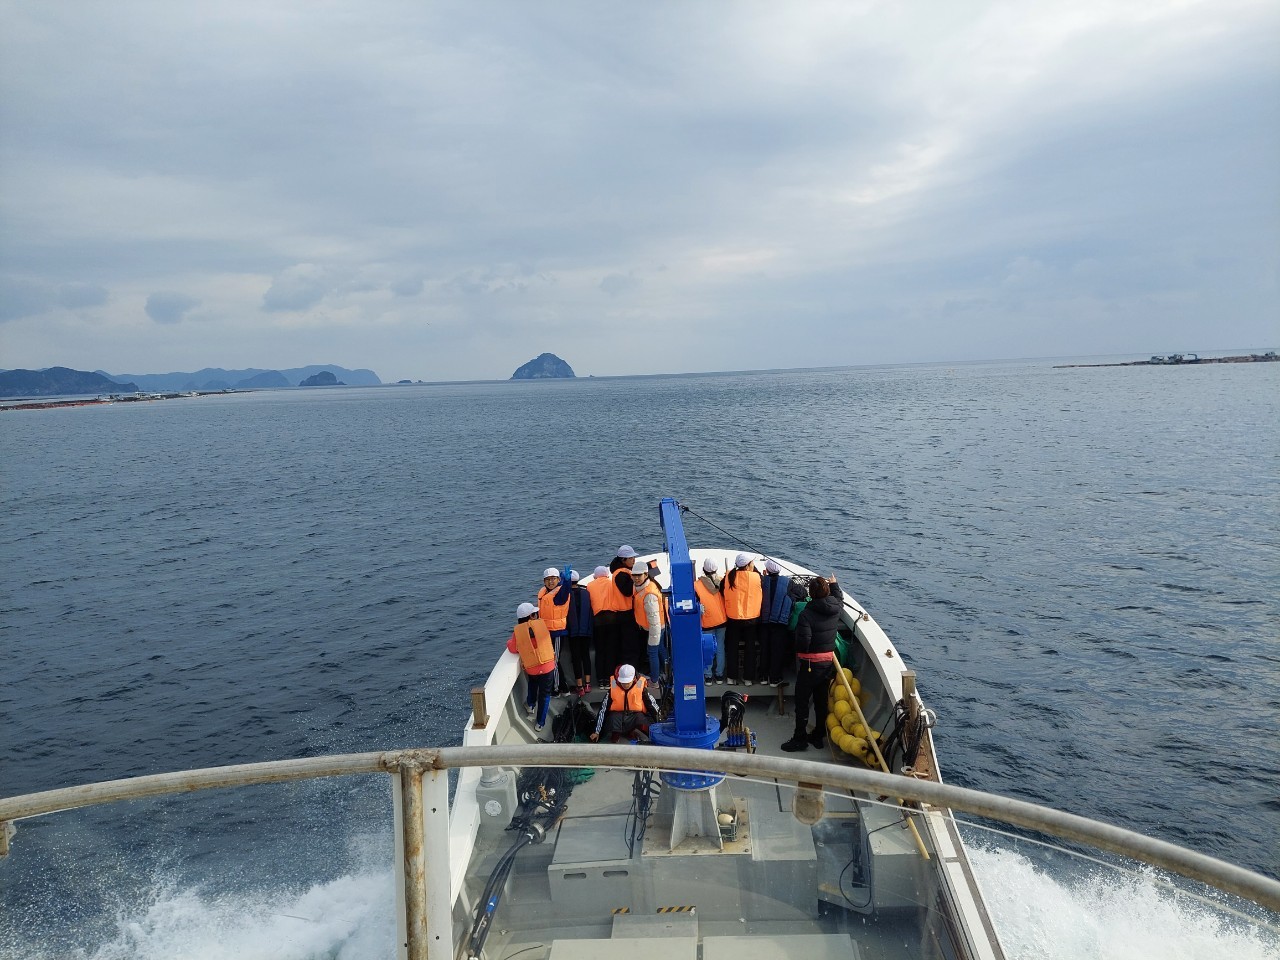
1083, 567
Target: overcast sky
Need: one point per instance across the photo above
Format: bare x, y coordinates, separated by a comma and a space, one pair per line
444, 190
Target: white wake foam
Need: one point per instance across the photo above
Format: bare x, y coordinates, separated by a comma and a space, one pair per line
351, 918
1108, 916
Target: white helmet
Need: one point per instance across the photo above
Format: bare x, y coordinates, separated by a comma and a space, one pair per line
550, 572
525, 610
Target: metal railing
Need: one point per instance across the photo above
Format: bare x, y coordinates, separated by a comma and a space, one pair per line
410, 766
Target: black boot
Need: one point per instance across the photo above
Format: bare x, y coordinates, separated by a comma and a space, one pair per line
818, 738
796, 743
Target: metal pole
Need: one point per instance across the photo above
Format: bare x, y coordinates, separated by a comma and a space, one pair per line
415, 860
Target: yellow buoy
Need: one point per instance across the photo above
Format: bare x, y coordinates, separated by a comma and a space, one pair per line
848, 722
842, 694
859, 730
853, 681
842, 710
855, 746
832, 721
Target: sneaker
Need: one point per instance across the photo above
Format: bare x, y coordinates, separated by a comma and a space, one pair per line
796, 744
746, 683
538, 727
775, 683
528, 713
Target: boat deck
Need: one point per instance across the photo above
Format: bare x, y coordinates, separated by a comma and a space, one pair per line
767, 885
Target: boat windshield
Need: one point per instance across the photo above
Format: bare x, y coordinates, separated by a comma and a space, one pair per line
566, 862
764, 864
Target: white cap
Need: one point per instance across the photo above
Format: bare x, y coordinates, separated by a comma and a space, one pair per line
600, 571
573, 576
743, 560
771, 566
550, 572
626, 673
626, 552
525, 610
709, 566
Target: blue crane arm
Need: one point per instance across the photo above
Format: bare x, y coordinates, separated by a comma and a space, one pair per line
686, 626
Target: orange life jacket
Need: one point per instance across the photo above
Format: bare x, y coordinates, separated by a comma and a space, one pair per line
637, 605
533, 642
618, 600
599, 590
621, 699
712, 605
742, 602
554, 615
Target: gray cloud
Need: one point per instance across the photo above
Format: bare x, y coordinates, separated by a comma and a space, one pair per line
75, 296
168, 306
407, 287
297, 288
616, 283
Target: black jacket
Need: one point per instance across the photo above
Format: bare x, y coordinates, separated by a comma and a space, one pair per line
816, 628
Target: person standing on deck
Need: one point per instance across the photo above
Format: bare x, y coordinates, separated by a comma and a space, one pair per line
579, 630
815, 660
621, 601
628, 708
775, 611
742, 598
553, 609
707, 587
650, 610
604, 625
532, 641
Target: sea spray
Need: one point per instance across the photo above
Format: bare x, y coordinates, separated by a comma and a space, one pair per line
1107, 915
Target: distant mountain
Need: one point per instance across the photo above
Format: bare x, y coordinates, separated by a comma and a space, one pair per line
545, 366
58, 382
272, 378
215, 378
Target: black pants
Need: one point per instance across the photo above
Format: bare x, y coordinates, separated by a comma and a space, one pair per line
742, 650
812, 681
775, 649
625, 724
605, 626
580, 656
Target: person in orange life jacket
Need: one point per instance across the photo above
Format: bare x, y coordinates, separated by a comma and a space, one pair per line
620, 601
604, 625
815, 660
741, 592
628, 708
650, 609
579, 629
707, 587
775, 612
553, 610
532, 641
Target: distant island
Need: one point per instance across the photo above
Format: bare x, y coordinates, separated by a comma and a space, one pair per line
59, 382
1178, 360
216, 378
545, 366
65, 382
322, 379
